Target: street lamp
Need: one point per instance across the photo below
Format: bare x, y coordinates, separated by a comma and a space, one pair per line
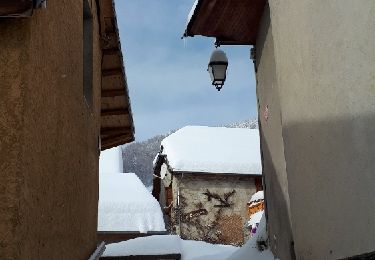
217, 67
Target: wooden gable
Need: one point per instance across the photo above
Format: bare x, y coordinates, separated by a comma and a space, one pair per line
117, 125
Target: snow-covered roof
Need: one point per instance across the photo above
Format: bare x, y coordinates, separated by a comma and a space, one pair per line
255, 218
110, 160
125, 204
257, 196
192, 10
213, 150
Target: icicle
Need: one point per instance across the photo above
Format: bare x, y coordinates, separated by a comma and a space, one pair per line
184, 39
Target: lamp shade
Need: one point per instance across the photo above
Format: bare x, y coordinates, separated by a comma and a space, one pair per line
217, 68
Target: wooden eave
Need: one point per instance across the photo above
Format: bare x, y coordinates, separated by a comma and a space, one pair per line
117, 126
16, 8
232, 22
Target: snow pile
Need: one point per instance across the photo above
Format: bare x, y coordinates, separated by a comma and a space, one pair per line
214, 150
257, 196
111, 160
151, 245
193, 250
255, 218
250, 249
125, 204
198, 249
167, 244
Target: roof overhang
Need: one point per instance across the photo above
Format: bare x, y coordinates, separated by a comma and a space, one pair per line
232, 22
117, 126
18, 8
221, 174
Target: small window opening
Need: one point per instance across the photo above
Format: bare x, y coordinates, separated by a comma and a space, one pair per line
87, 54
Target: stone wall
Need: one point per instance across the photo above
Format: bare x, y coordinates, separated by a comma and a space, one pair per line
211, 207
49, 136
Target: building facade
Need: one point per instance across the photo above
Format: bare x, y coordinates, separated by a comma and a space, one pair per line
314, 64
204, 207
205, 191
55, 119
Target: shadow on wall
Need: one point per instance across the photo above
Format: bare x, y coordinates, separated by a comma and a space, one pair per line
330, 166
278, 224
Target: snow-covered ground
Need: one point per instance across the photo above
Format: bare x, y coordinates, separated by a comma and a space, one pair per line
192, 250
125, 204
213, 150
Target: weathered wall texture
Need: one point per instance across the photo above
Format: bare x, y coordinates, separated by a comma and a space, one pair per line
325, 63
200, 219
49, 137
274, 168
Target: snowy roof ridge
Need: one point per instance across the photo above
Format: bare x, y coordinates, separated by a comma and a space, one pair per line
203, 149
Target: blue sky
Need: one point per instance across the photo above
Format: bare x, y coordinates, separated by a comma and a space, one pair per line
168, 81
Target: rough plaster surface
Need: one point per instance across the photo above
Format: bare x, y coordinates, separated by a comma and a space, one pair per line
231, 220
274, 167
325, 63
49, 137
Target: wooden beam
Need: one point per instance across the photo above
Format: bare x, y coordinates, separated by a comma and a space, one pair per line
112, 72
113, 92
118, 236
114, 112
16, 8
115, 138
110, 142
114, 51
114, 131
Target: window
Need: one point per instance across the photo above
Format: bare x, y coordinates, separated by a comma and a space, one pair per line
87, 53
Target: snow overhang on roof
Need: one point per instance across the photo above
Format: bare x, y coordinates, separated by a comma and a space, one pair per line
117, 126
213, 150
232, 22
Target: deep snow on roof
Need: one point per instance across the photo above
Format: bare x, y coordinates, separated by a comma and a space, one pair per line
125, 204
257, 196
214, 150
110, 160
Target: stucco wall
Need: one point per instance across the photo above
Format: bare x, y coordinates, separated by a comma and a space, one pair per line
325, 63
49, 137
200, 219
274, 168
